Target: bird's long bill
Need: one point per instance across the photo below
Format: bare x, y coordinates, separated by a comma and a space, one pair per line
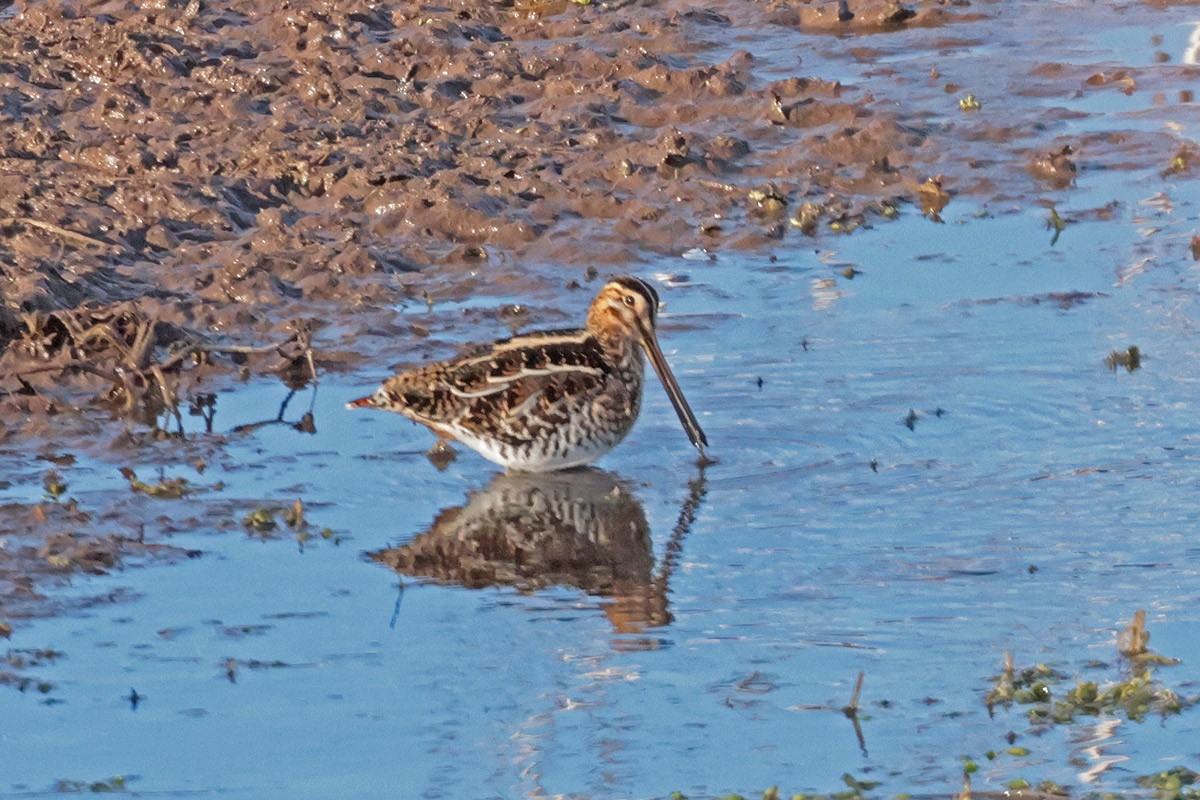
690, 425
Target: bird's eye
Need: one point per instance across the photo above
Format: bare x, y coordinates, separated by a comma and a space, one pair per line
629, 301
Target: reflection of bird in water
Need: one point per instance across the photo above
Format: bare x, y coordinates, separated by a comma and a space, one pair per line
548, 400
580, 528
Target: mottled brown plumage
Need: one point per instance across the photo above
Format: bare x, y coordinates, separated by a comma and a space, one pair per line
583, 528
546, 400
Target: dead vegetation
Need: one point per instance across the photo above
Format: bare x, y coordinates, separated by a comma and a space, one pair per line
1135, 695
132, 360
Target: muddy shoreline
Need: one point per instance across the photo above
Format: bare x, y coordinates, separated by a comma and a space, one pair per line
183, 178
188, 175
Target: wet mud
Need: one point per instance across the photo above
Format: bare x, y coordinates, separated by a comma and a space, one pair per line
193, 195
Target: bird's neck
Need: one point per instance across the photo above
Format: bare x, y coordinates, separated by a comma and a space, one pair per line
615, 334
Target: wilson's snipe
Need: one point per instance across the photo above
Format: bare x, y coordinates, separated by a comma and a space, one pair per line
547, 400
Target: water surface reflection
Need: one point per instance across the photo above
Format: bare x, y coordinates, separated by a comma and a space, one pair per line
582, 528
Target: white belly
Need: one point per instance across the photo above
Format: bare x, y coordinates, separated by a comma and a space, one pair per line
534, 458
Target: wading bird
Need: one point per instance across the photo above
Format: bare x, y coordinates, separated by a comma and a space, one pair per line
546, 400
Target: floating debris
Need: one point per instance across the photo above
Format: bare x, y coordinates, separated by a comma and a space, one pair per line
1130, 358
888, 210
846, 223
698, 254
31, 657
1055, 167
756, 683
265, 520
1030, 685
441, 455
767, 201
24, 683
119, 783
1056, 224
968, 768
70, 550
970, 103
1135, 697
260, 521
1182, 162
1135, 639
851, 710
782, 114
1170, 784
54, 485
165, 489
1134, 644
1173, 784
932, 198
807, 217
294, 516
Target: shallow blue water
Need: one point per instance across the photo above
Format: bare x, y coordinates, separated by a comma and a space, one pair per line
804, 566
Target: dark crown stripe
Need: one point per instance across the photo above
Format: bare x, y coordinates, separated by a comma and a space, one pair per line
641, 287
